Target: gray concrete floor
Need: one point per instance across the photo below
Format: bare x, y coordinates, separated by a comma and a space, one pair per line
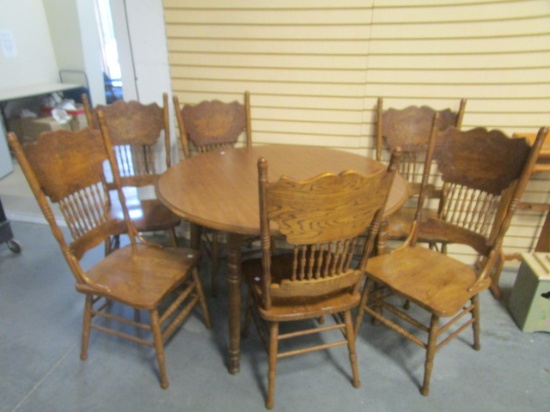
40, 368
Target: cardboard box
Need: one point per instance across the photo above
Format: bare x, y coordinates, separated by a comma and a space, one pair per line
529, 301
31, 127
15, 126
79, 120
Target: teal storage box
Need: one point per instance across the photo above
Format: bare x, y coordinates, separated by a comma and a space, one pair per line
529, 301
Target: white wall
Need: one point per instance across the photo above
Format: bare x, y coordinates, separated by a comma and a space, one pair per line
50, 35
25, 20
65, 33
35, 61
62, 34
75, 40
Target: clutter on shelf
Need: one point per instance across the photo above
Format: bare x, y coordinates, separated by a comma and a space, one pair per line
55, 113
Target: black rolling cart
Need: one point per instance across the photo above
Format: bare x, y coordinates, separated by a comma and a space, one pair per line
6, 235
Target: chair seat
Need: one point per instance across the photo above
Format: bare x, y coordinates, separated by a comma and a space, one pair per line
147, 215
296, 308
131, 273
430, 279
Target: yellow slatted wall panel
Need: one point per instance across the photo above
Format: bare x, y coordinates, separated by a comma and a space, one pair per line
315, 68
304, 63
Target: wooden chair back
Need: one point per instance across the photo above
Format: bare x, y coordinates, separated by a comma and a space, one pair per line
410, 129
484, 174
68, 169
212, 125
322, 220
140, 135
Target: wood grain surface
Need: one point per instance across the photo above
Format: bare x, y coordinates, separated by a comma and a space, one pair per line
219, 190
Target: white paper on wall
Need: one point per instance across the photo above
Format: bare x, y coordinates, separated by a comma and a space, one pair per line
7, 44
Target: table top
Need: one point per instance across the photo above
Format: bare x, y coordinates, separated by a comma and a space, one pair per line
219, 190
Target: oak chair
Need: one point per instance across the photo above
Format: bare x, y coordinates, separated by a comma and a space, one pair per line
140, 135
410, 129
205, 127
68, 169
543, 240
484, 174
321, 219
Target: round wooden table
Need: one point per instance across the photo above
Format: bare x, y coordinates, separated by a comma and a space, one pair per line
219, 190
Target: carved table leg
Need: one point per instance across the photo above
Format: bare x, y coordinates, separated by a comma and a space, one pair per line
234, 291
195, 236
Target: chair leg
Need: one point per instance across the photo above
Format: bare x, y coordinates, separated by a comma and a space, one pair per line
272, 373
495, 277
202, 298
378, 305
215, 265
86, 322
362, 304
350, 338
172, 237
430, 354
159, 347
107, 244
248, 315
476, 325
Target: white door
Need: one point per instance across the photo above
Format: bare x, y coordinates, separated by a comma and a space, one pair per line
124, 47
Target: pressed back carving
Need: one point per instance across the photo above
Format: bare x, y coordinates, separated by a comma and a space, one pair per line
480, 159
410, 129
321, 219
68, 169
212, 125
137, 131
133, 123
484, 173
349, 202
60, 169
214, 122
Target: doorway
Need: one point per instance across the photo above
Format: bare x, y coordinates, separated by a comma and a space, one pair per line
112, 76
